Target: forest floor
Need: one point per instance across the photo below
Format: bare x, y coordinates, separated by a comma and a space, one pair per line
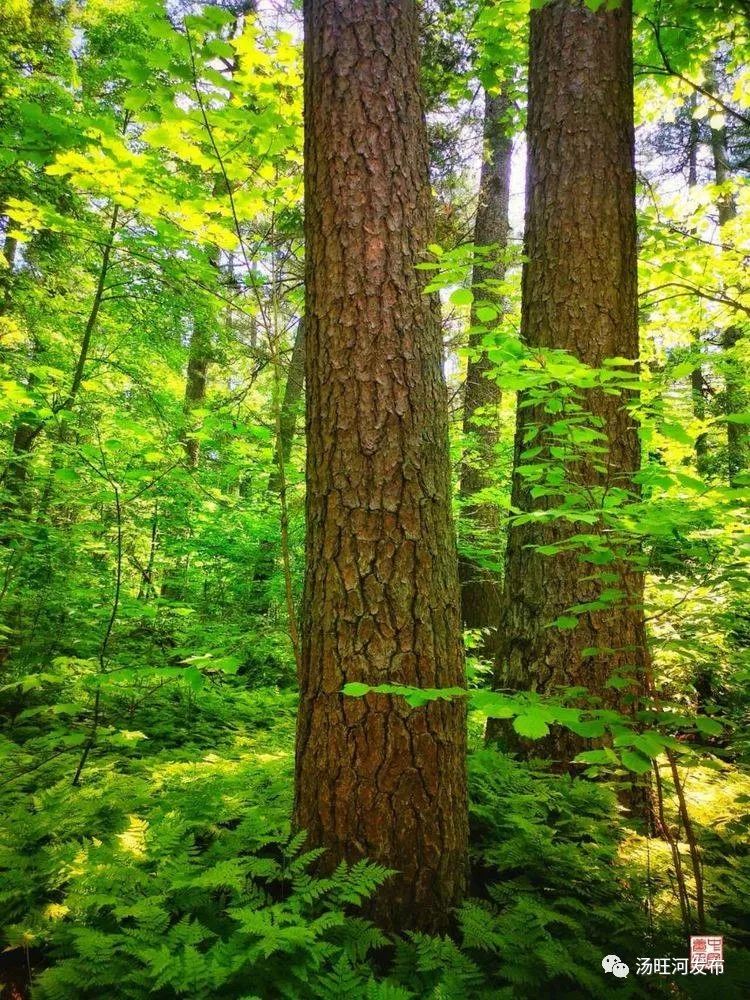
170, 871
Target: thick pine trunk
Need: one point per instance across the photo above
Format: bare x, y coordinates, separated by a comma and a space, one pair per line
376, 778
579, 294
481, 588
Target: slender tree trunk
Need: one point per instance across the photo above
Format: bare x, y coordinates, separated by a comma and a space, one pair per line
196, 380
26, 432
697, 378
579, 294
481, 588
146, 588
736, 397
10, 246
698, 393
375, 778
290, 406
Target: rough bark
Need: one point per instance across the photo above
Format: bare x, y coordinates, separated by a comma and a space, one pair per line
481, 588
580, 294
375, 778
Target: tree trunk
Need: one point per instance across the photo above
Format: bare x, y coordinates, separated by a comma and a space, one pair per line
579, 294
290, 405
697, 378
295, 382
26, 433
481, 588
10, 246
375, 778
698, 395
23, 436
736, 397
199, 358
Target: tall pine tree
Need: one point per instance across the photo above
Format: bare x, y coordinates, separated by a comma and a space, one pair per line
580, 295
374, 777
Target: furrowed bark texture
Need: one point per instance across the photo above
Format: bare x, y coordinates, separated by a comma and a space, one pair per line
580, 294
375, 778
481, 588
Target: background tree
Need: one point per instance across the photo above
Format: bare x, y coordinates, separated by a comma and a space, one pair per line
481, 588
579, 295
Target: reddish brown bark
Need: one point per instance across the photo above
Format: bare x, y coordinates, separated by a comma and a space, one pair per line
374, 777
580, 294
481, 588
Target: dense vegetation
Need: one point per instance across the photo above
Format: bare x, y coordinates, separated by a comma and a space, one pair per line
191, 262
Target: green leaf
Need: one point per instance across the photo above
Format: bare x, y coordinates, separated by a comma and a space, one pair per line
531, 725
591, 730
66, 476
603, 756
462, 297
565, 622
619, 683
676, 433
635, 761
493, 704
355, 690
708, 726
651, 744
485, 314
